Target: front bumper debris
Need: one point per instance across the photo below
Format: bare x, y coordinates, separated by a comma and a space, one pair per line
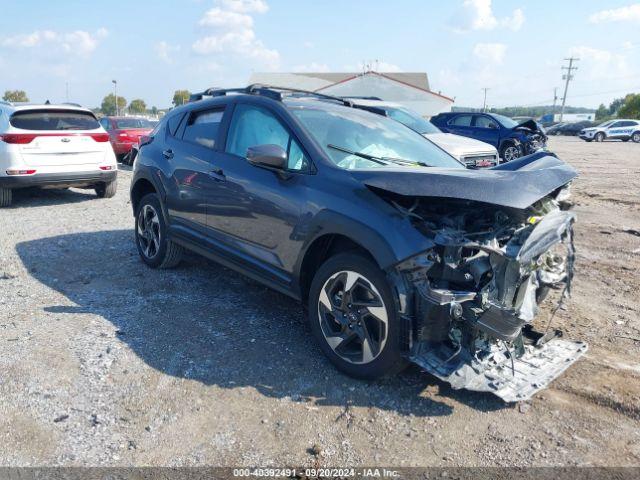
510, 378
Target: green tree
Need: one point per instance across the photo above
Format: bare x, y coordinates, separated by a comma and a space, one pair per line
180, 97
602, 112
631, 106
108, 106
137, 106
615, 105
15, 96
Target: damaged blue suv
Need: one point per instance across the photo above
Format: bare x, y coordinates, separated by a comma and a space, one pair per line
396, 250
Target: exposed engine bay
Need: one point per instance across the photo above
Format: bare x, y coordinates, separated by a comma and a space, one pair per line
535, 137
477, 291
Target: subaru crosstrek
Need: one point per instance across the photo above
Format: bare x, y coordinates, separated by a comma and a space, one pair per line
398, 252
53, 146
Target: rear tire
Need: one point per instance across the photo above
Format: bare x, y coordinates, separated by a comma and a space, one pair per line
151, 234
107, 190
353, 317
6, 197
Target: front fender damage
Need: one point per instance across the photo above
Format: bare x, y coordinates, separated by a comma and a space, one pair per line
476, 293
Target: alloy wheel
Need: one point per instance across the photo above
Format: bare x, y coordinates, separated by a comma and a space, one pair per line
636, 137
149, 231
353, 317
599, 137
511, 153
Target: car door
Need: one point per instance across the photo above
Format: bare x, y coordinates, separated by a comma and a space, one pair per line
615, 130
256, 211
190, 151
462, 125
486, 129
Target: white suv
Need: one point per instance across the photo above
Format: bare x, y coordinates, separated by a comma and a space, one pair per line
54, 146
621, 129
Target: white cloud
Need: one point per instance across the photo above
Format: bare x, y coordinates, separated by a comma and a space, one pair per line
78, 42
478, 15
231, 25
630, 13
490, 52
515, 21
245, 6
165, 52
599, 64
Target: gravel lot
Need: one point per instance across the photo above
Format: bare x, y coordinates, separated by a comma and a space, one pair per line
106, 362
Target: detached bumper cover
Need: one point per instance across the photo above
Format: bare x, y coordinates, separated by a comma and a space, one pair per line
512, 382
58, 179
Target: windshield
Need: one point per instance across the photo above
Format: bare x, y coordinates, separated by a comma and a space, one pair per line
133, 123
366, 140
505, 121
606, 124
412, 120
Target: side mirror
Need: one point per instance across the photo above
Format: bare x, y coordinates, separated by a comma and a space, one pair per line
269, 156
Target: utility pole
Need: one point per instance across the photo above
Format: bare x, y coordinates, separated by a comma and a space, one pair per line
555, 98
484, 103
115, 94
568, 77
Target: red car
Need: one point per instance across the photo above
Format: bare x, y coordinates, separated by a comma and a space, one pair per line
125, 132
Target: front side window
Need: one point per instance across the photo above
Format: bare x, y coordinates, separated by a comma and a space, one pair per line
252, 126
53, 119
202, 127
485, 122
462, 121
356, 139
506, 121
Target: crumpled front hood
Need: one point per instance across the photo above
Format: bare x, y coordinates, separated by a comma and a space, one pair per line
516, 184
530, 126
459, 146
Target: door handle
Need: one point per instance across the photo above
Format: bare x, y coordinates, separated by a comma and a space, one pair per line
217, 174
168, 154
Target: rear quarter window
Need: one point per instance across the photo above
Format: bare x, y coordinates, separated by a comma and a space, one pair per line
54, 120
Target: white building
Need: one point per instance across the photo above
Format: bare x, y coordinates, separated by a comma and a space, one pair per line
406, 88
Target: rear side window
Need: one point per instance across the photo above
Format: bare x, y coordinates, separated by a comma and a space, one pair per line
202, 127
54, 120
461, 121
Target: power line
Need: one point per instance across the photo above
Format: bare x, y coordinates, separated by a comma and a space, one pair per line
568, 77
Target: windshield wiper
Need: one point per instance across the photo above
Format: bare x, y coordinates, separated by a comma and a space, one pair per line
366, 156
379, 160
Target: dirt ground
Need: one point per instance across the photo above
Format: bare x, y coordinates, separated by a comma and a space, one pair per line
106, 362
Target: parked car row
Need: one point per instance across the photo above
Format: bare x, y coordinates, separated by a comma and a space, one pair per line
398, 252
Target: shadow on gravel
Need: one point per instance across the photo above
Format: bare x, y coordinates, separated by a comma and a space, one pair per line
206, 323
40, 197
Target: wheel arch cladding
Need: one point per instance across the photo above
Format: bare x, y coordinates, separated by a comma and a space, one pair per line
141, 188
335, 233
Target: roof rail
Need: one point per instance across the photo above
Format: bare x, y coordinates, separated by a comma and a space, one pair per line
270, 91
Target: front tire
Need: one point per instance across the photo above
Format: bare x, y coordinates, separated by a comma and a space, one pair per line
107, 190
6, 197
353, 317
154, 247
599, 137
635, 137
510, 152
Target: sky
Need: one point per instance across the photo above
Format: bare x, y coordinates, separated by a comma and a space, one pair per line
515, 48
